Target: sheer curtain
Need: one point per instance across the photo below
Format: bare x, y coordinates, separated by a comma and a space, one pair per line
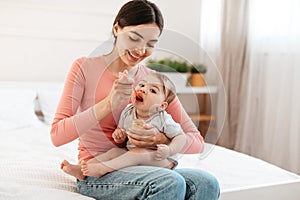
223, 35
259, 60
270, 127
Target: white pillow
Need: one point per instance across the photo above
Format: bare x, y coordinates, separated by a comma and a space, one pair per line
16, 108
46, 104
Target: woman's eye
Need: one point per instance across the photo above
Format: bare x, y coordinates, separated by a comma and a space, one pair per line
150, 46
153, 91
133, 39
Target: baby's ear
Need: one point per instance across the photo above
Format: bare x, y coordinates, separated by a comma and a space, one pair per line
164, 105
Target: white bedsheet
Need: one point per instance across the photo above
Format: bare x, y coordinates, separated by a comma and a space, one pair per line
235, 170
29, 166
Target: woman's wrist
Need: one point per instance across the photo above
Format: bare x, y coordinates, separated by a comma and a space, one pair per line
102, 108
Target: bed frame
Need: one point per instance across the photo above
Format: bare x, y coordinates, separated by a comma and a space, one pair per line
289, 190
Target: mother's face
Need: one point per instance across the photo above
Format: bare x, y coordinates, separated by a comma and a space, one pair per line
135, 43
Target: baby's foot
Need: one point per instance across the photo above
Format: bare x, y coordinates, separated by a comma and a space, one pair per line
73, 170
94, 169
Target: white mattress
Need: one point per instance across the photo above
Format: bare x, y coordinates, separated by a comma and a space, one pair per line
30, 164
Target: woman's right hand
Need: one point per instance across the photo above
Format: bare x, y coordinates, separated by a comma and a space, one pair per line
119, 94
121, 91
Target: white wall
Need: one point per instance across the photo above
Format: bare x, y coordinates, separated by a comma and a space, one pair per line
40, 39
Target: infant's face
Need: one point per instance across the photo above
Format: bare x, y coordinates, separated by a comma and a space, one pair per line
148, 94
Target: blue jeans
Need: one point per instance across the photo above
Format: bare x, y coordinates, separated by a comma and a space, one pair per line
144, 182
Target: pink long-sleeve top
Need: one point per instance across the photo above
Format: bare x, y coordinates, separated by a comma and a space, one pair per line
88, 82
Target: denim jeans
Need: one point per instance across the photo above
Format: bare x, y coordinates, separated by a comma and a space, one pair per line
144, 182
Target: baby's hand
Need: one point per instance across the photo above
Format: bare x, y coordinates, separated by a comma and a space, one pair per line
163, 151
119, 135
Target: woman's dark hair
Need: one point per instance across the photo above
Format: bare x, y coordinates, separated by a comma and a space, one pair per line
138, 12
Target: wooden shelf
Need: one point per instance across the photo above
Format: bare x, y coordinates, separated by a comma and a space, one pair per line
201, 118
204, 120
205, 123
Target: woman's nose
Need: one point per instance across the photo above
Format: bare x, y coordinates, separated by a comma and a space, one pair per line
139, 51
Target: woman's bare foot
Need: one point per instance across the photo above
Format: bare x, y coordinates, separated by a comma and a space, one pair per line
73, 170
94, 169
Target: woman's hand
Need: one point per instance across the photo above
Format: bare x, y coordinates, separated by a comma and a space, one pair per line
119, 94
146, 136
121, 91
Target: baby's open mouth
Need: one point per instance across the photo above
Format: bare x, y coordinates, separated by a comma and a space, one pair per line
138, 97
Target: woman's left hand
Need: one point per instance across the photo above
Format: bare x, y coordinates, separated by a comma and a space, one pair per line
146, 136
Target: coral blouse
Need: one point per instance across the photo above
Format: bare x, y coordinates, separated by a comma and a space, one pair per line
88, 82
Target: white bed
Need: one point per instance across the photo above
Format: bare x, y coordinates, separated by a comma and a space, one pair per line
29, 163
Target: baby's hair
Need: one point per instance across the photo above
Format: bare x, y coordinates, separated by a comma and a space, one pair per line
168, 86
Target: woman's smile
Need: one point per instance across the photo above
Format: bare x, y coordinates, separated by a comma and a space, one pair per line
132, 57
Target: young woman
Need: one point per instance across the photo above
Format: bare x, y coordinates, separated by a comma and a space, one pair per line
90, 108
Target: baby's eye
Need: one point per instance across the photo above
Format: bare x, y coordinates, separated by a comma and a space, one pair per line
153, 91
142, 85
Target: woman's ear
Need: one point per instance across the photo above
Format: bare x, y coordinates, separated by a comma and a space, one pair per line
116, 29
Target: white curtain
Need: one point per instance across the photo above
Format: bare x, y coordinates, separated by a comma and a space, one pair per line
270, 128
263, 114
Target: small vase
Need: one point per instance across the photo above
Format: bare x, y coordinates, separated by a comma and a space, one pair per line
197, 80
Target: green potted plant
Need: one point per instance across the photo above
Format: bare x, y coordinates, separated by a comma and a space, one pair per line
197, 75
168, 65
186, 73
176, 70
